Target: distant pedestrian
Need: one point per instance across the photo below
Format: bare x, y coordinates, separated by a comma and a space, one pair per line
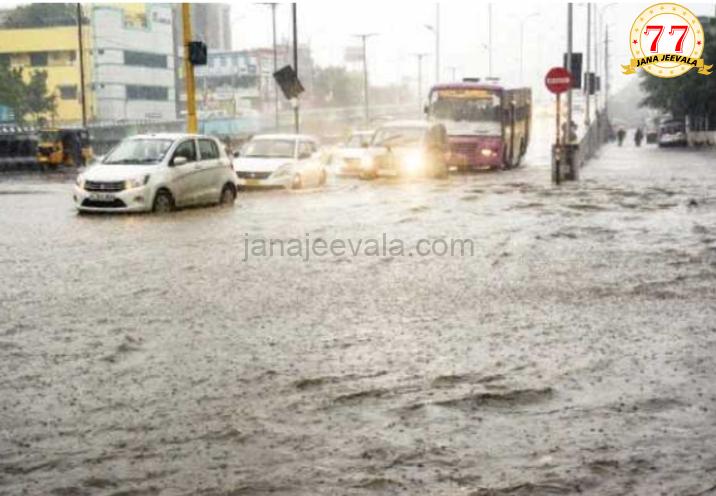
620, 135
638, 136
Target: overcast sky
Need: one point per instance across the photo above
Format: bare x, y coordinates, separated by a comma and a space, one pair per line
328, 26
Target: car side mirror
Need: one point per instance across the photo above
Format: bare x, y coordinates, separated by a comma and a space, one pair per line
425, 110
303, 156
237, 154
179, 160
365, 144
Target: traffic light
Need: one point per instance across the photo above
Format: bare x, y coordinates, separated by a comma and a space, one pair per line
590, 83
197, 52
576, 69
287, 79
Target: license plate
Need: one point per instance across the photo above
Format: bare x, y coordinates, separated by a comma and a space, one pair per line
103, 197
252, 182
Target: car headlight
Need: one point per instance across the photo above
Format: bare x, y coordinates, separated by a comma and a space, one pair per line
414, 162
284, 170
80, 181
136, 182
366, 162
486, 152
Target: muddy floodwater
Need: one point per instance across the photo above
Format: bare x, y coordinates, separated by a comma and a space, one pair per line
573, 353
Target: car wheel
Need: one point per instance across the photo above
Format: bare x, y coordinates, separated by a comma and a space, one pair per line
163, 202
297, 182
228, 196
322, 177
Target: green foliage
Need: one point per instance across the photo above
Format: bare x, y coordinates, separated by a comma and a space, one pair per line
25, 98
36, 15
691, 94
337, 87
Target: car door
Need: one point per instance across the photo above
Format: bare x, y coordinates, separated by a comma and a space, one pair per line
184, 179
211, 170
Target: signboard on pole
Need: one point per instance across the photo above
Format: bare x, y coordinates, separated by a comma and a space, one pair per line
558, 80
575, 69
287, 80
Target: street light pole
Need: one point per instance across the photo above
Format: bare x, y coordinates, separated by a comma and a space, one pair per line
588, 85
277, 123
420, 56
366, 88
522, 43
296, 121
437, 43
568, 137
489, 42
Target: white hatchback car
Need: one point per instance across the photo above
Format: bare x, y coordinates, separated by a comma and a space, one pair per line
158, 172
280, 160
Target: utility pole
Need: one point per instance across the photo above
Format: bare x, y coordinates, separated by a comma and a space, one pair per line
522, 43
588, 85
437, 43
192, 124
489, 42
420, 56
366, 97
80, 55
568, 137
296, 125
275, 64
606, 72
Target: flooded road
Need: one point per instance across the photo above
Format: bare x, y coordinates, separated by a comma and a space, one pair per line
574, 353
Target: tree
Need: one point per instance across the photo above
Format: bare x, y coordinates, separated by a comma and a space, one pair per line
692, 94
336, 87
37, 101
12, 89
25, 98
36, 15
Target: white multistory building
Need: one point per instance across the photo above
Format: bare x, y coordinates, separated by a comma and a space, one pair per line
132, 61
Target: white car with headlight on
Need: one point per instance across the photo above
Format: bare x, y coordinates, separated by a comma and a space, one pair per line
407, 148
291, 161
347, 158
158, 172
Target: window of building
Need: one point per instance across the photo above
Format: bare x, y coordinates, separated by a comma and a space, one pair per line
140, 92
5, 59
144, 59
208, 149
68, 92
38, 59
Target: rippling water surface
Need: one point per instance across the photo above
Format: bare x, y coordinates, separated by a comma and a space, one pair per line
574, 353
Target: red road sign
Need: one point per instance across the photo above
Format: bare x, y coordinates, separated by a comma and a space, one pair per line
558, 80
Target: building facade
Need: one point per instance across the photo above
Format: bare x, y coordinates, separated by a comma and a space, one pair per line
132, 62
128, 63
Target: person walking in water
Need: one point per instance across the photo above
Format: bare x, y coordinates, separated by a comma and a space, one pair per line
638, 136
620, 135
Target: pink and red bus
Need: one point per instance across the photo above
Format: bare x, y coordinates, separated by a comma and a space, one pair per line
488, 126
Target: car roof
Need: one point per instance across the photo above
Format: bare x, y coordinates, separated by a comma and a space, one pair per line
285, 136
171, 136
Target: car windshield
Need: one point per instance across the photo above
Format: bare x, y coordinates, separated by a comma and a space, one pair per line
269, 148
138, 151
398, 136
358, 140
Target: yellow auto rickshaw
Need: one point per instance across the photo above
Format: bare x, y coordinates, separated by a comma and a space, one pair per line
67, 146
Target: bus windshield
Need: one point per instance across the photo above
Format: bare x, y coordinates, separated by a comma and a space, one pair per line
467, 111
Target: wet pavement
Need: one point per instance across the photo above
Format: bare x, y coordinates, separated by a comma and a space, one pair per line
574, 353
